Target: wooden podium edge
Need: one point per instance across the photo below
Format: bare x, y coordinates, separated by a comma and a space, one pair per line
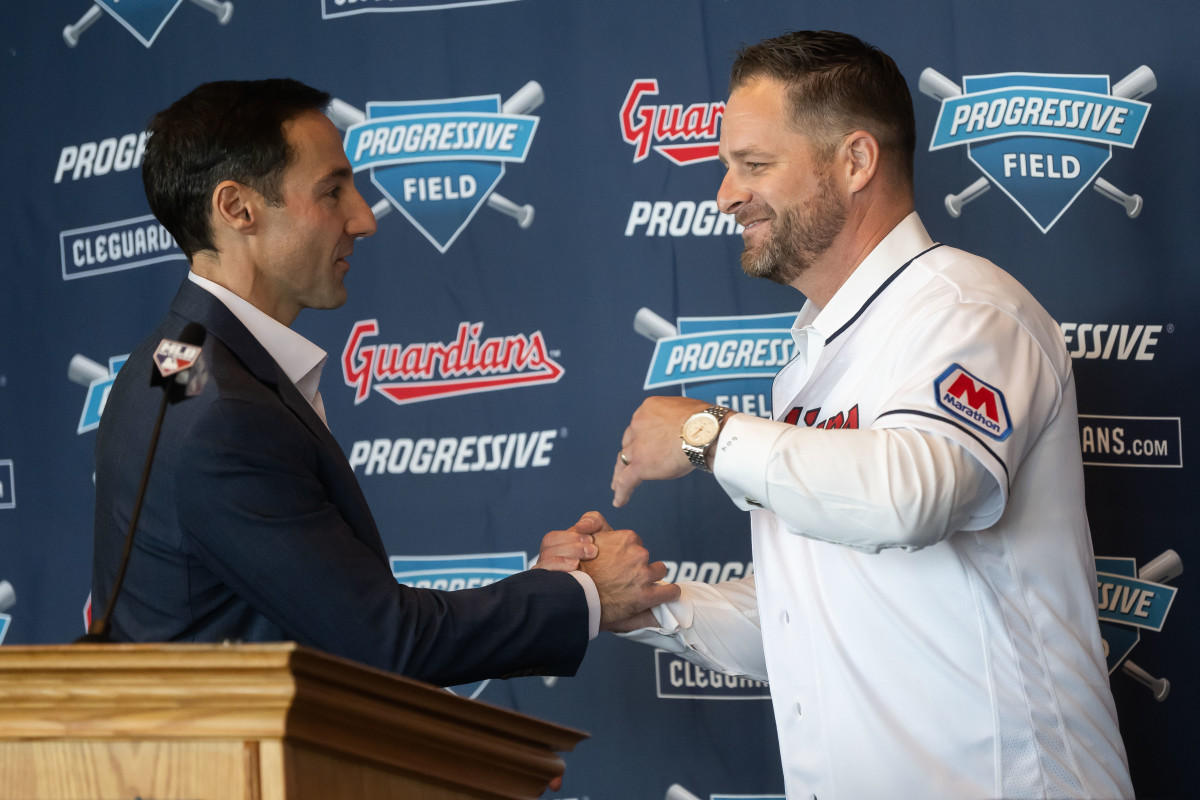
276, 691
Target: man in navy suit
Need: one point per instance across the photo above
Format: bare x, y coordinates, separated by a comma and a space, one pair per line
254, 527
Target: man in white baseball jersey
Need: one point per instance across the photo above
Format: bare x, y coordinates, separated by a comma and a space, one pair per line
923, 602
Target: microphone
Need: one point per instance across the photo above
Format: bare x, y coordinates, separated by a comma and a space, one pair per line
181, 373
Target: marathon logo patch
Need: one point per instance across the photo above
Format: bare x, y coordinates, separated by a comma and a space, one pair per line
331, 9
678, 679
1041, 138
979, 404
433, 370
728, 361
145, 19
681, 135
438, 161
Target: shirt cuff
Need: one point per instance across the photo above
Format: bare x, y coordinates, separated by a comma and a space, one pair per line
593, 601
742, 454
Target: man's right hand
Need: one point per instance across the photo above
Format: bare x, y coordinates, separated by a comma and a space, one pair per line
626, 581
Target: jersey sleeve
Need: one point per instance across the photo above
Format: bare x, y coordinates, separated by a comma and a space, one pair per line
976, 375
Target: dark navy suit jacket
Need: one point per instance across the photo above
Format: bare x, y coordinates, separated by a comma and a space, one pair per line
254, 528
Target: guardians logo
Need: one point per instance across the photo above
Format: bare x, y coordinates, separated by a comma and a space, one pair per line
1130, 600
438, 161
451, 573
728, 361
143, 18
431, 370
681, 135
1042, 139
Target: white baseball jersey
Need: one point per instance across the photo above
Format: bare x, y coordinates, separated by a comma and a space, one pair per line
923, 602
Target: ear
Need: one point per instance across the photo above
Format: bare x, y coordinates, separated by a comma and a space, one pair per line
861, 159
234, 207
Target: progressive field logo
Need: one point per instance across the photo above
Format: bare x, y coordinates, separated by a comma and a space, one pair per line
728, 361
1129, 601
438, 161
145, 19
1041, 138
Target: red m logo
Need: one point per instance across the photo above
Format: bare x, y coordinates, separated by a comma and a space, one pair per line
978, 397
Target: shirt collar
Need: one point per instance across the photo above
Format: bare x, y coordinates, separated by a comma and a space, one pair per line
300, 359
905, 241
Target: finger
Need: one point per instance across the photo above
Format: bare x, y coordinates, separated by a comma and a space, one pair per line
660, 593
623, 485
658, 571
590, 523
627, 437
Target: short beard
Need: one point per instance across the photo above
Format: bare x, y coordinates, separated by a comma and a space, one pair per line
799, 237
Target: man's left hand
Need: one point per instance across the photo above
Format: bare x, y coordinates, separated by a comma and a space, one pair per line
651, 448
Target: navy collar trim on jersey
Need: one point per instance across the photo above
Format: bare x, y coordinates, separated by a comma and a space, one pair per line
878, 291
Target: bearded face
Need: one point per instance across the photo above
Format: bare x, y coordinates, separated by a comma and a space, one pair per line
799, 233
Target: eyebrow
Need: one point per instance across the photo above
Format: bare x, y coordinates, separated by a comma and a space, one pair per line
336, 174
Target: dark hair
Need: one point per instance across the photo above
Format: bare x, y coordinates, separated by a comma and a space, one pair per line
836, 83
225, 130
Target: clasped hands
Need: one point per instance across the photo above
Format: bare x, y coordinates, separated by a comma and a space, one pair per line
618, 564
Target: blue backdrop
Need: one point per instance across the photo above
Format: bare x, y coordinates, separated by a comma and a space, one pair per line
577, 190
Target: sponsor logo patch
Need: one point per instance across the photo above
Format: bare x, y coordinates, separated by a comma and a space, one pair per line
979, 404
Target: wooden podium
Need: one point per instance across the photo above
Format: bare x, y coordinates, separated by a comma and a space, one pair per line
252, 722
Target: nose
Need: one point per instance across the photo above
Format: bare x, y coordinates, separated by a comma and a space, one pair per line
362, 218
730, 196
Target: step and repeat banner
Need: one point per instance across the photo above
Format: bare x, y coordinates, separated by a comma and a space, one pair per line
577, 262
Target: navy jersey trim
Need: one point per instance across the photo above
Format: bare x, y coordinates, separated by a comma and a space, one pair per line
967, 431
877, 292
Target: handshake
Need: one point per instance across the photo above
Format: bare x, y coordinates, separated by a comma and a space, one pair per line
618, 564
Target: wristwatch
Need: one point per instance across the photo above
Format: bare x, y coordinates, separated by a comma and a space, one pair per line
699, 432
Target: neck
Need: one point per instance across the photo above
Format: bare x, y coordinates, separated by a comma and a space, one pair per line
861, 234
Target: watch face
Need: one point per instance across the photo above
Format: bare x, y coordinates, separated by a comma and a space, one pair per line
700, 429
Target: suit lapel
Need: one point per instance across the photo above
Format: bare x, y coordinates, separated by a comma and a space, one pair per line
194, 304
